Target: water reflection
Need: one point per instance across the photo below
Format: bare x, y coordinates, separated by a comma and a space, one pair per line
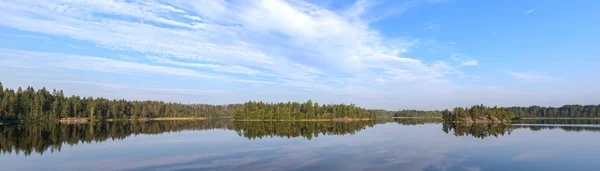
51, 136
308, 130
43, 137
559, 121
418, 121
567, 128
478, 130
397, 144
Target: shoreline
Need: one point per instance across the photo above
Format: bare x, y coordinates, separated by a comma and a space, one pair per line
418, 117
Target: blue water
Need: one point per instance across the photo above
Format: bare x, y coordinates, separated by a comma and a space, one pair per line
384, 146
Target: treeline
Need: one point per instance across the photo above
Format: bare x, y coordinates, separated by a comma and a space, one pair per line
587, 111
575, 111
32, 105
298, 111
40, 137
478, 113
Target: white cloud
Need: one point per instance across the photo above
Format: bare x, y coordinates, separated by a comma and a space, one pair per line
219, 68
76, 62
280, 43
26, 59
107, 85
529, 11
464, 60
532, 77
470, 62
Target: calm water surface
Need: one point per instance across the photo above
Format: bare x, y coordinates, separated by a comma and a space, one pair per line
408, 144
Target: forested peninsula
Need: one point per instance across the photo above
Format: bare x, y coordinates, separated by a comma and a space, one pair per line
43, 105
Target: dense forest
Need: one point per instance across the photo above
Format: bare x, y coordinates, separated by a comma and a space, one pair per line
32, 105
574, 111
478, 113
35, 105
564, 111
298, 111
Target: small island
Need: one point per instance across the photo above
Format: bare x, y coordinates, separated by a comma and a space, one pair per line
294, 111
478, 114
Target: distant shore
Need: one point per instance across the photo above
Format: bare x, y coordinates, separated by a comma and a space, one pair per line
417, 117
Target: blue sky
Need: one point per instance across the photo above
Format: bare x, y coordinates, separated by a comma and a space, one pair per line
415, 54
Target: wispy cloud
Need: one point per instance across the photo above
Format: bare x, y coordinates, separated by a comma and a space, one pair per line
154, 89
529, 11
77, 62
470, 62
26, 59
464, 60
107, 85
227, 41
252, 42
532, 77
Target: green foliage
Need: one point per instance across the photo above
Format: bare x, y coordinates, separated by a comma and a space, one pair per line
298, 111
32, 105
478, 112
587, 111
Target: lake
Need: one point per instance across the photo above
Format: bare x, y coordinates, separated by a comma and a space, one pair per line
400, 144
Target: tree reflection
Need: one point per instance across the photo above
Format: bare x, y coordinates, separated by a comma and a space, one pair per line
478, 130
561, 127
308, 130
51, 136
418, 121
